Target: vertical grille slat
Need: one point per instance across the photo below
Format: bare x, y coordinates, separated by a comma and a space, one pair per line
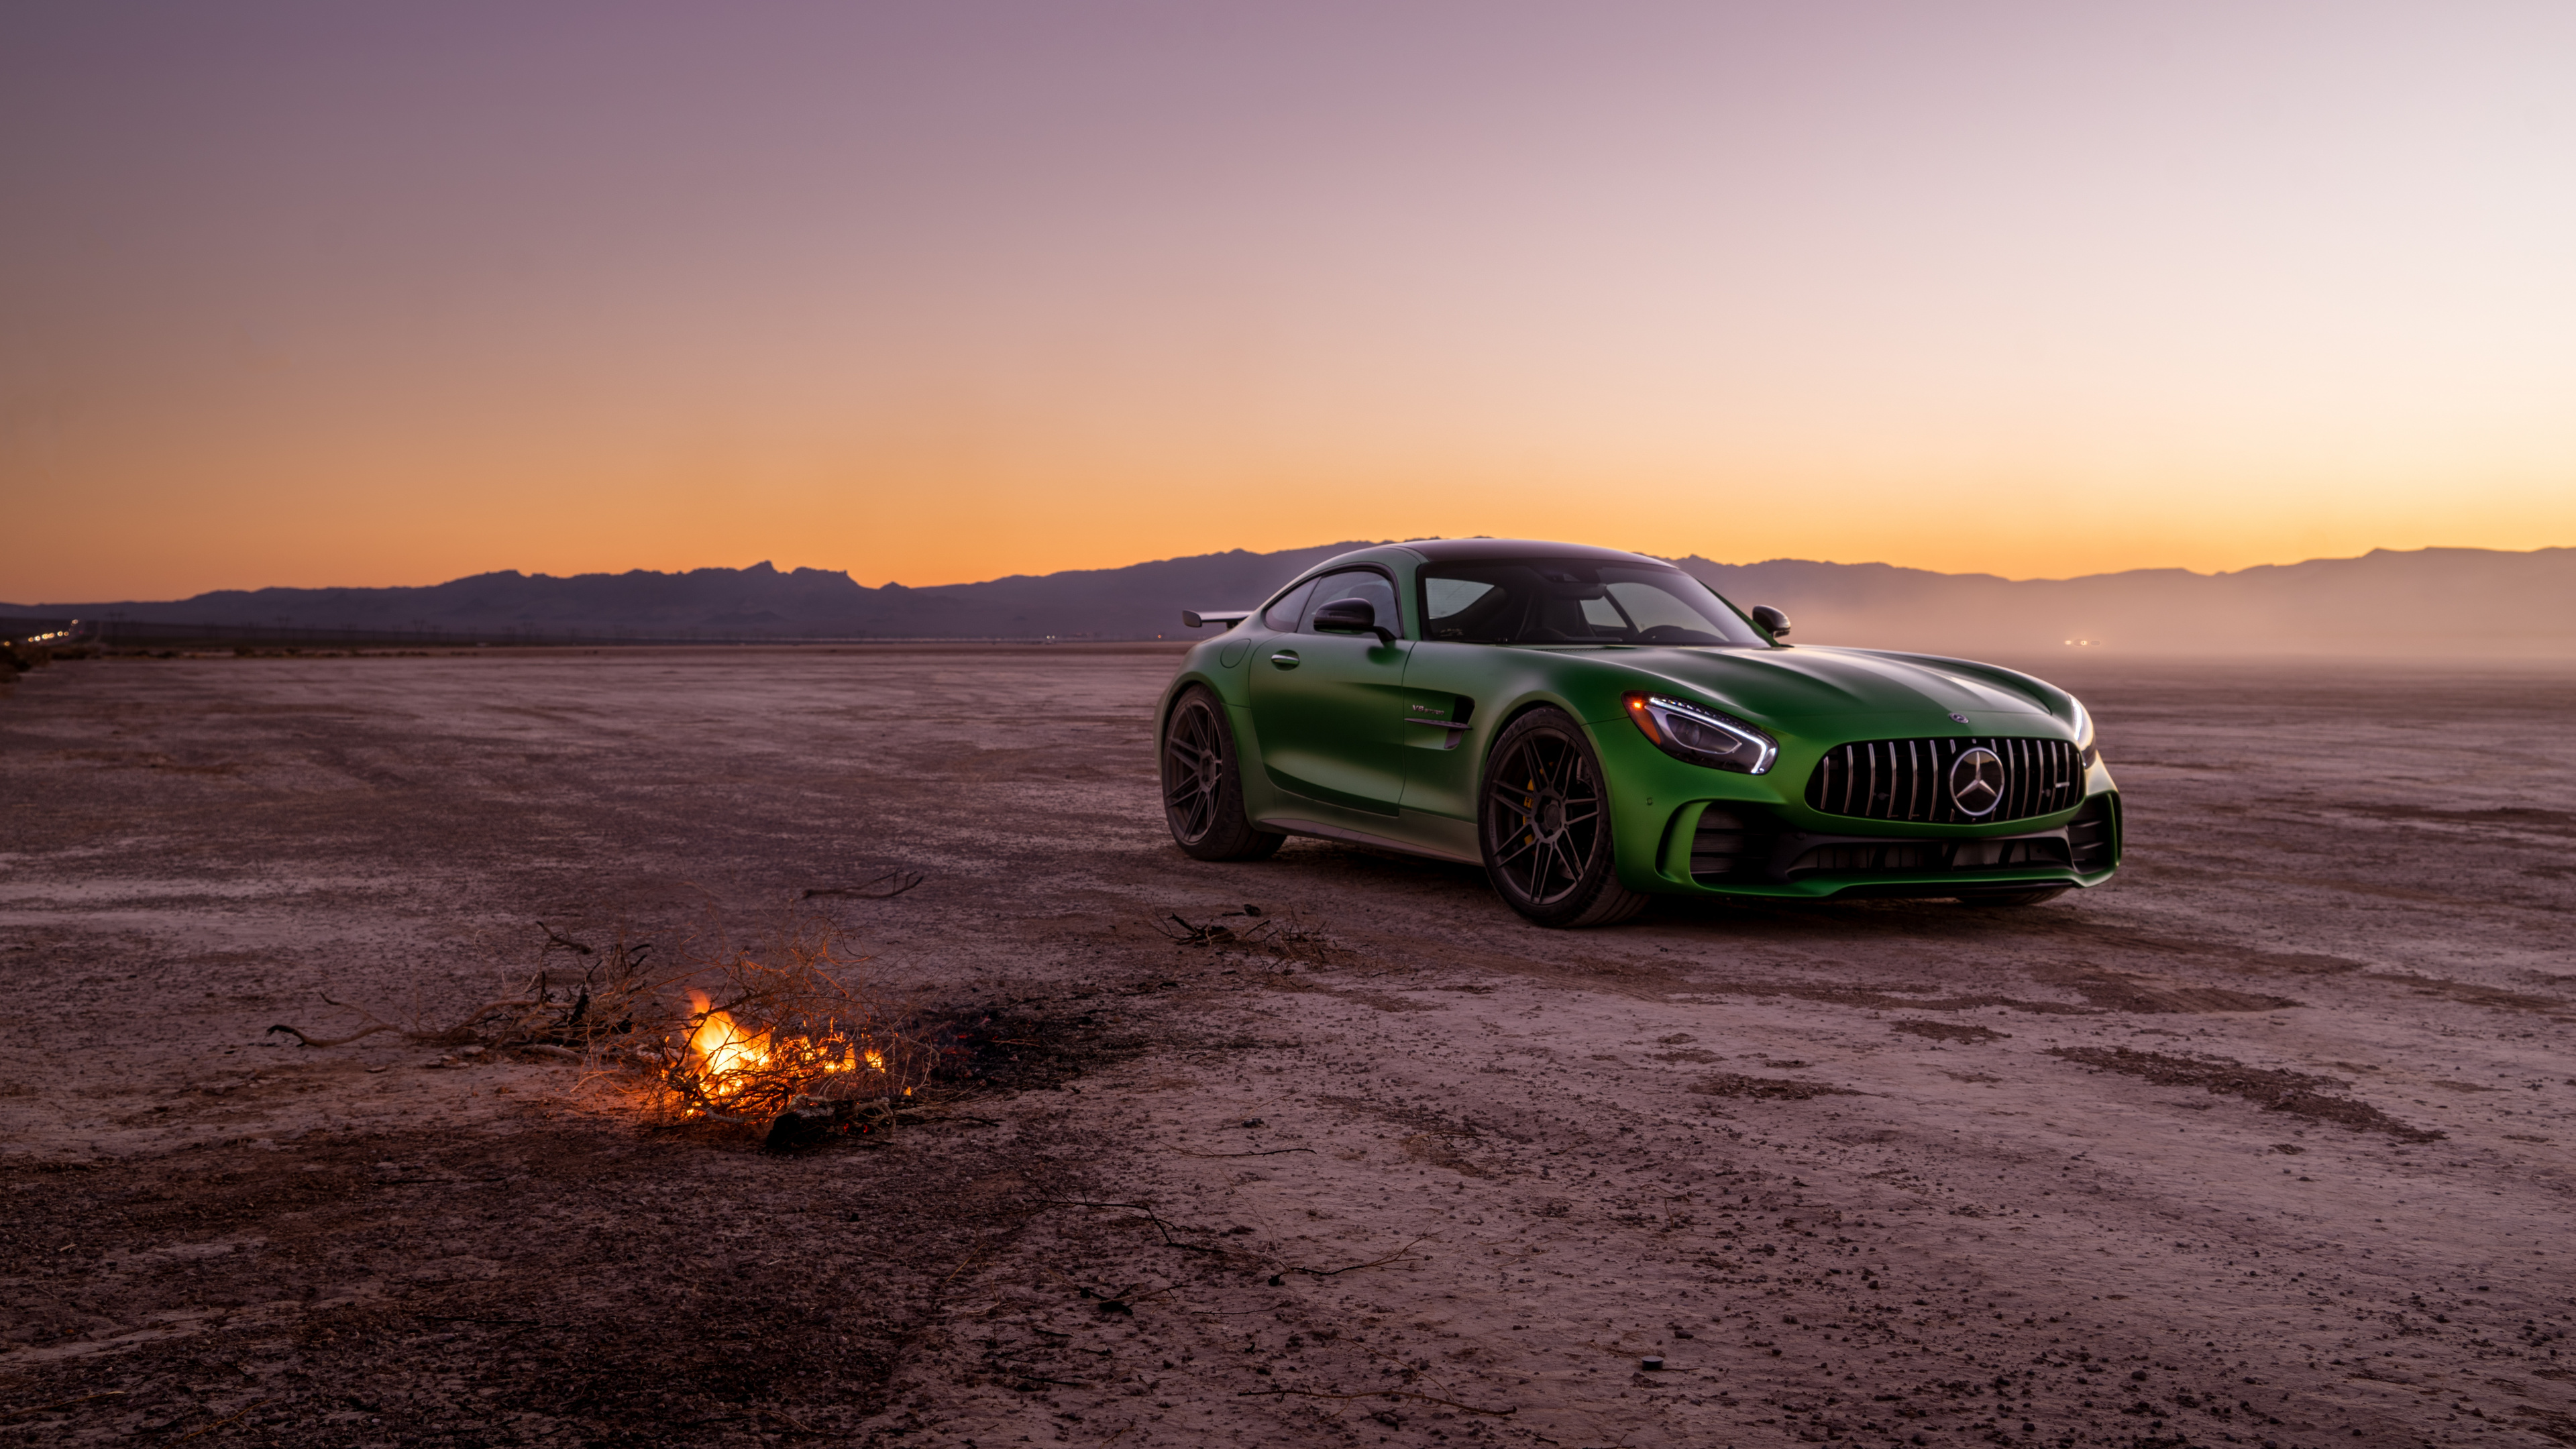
1909, 780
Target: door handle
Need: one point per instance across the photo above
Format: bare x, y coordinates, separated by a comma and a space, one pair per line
1285, 658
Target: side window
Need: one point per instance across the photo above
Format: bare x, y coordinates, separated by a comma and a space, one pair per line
1366, 585
1444, 599
1284, 615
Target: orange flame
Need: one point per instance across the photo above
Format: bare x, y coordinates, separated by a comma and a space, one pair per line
726, 1049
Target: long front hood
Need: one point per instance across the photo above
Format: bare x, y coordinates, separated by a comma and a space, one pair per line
1791, 686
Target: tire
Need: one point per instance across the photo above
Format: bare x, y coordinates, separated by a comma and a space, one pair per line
1544, 822
1203, 783
2016, 898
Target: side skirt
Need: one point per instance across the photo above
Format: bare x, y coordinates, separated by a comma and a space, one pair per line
1344, 833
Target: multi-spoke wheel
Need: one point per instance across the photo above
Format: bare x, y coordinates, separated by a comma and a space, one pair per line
1546, 826
1203, 783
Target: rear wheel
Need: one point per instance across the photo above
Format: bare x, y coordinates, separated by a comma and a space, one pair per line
1545, 824
1203, 783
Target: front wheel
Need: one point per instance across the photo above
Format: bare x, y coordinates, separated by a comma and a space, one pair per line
1545, 825
1203, 783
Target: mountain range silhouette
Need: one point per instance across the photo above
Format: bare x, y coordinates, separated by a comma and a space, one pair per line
2456, 600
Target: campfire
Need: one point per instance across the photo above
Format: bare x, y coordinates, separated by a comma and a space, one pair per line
786, 1036
783, 1036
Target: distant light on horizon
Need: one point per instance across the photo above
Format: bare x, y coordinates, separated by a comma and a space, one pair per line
306, 295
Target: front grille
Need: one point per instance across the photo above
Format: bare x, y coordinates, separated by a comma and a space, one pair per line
1910, 780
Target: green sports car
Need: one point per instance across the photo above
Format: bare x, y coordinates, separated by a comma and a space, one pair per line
1596, 728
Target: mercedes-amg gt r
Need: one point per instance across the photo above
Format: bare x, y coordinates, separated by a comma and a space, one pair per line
1597, 728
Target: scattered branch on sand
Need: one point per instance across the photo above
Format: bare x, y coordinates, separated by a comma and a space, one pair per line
1404, 1251
1147, 1209
557, 941
1268, 934
884, 888
575, 1017
1273, 1152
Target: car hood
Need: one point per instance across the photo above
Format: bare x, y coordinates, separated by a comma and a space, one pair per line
1808, 682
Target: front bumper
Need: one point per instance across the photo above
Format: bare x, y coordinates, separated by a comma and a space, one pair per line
1756, 836
1727, 848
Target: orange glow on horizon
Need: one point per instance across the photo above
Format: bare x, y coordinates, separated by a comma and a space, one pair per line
2000, 287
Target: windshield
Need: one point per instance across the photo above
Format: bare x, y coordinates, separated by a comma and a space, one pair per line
1575, 601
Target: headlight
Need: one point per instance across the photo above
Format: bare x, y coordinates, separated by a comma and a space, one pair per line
1701, 735
2084, 746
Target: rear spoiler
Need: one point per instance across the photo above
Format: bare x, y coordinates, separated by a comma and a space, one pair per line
1228, 617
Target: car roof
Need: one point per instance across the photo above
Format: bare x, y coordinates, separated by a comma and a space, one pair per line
1468, 550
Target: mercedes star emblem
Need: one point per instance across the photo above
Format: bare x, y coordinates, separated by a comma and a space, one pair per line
1961, 718
1977, 782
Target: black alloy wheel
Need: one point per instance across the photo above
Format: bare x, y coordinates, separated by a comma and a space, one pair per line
1203, 783
1546, 826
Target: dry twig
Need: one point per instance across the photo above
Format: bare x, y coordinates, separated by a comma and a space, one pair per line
1355, 1267
1147, 1209
1273, 935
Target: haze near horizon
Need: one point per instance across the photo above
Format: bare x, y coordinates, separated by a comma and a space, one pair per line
298, 295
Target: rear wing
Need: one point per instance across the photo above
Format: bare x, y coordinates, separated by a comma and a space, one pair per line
1227, 617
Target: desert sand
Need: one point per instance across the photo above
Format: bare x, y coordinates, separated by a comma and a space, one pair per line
2266, 1143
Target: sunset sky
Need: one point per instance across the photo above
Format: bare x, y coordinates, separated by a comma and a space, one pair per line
367, 294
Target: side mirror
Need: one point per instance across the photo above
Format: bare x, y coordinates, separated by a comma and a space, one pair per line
1351, 616
1771, 619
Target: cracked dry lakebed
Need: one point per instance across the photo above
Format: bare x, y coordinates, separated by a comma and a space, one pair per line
2266, 1143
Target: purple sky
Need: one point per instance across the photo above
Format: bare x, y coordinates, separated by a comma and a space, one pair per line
321, 294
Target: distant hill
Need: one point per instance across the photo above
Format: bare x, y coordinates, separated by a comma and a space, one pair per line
2441, 600
1135, 602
